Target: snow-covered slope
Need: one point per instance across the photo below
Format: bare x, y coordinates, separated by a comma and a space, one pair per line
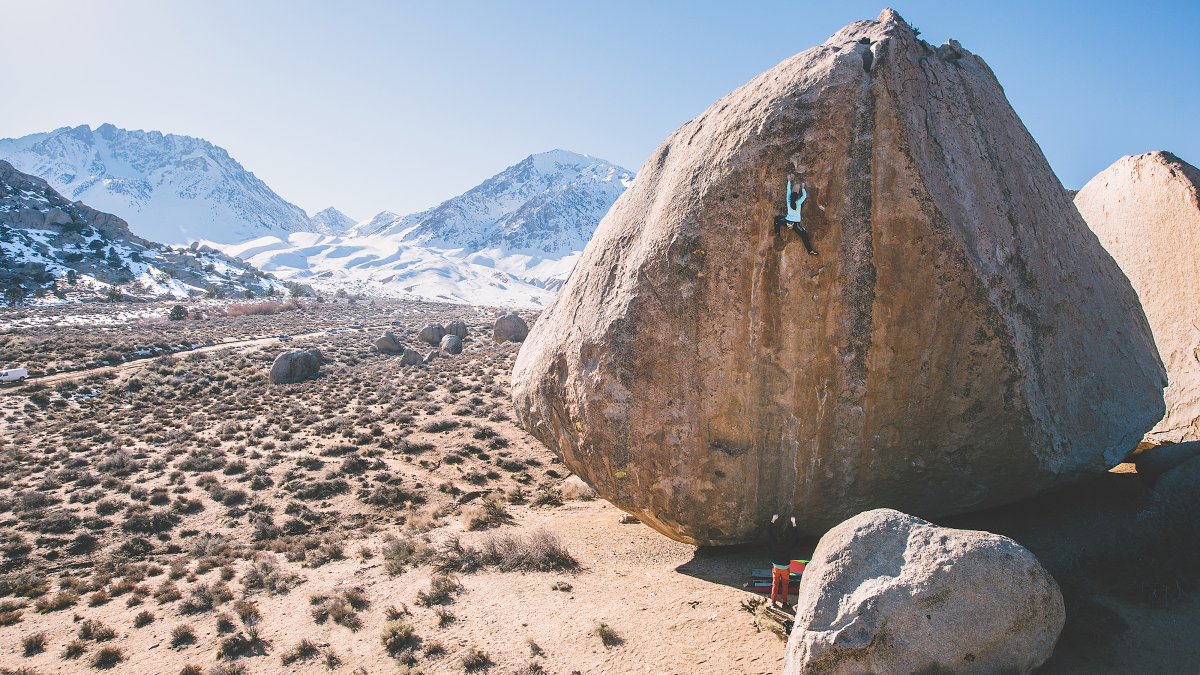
511, 240
386, 267
53, 248
172, 189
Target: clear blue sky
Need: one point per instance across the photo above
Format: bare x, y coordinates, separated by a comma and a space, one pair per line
397, 105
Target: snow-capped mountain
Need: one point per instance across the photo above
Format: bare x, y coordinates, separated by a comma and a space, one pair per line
547, 204
512, 240
331, 221
173, 189
50, 246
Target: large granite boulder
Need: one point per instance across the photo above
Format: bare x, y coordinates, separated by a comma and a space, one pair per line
389, 344
296, 365
889, 593
1146, 212
510, 328
432, 333
961, 341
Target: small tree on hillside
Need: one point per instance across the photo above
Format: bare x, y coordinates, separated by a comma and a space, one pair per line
178, 313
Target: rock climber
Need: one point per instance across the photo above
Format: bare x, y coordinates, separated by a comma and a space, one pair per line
783, 546
792, 218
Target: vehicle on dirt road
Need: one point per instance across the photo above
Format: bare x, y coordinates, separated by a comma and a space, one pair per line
14, 375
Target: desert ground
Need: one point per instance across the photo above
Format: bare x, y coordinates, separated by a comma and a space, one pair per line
163, 509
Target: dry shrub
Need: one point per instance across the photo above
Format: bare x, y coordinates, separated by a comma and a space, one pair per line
183, 634
107, 657
261, 308
489, 512
442, 589
542, 551
336, 607
10, 612
34, 644
474, 660
399, 637
607, 635
266, 575
304, 650
91, 629
403, 552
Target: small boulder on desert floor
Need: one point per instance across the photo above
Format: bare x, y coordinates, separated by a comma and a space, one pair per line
410, 358
295, 366
431, 334
574, 488
388, 344
458, 328
429, 357
451, 344
510, 328
886, 592
1145, 210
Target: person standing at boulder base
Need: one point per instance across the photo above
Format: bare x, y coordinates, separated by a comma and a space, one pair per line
793, 202
783, 547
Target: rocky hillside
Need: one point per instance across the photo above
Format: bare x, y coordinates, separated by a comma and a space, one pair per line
53, 248
173, 189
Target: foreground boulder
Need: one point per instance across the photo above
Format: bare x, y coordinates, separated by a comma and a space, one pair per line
1146, 212
410, 357
451, 344
889, 593
961, 341
388, 344
296, 366
510, 328
431, 333
457, 328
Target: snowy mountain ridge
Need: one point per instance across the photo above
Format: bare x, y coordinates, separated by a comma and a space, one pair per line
511, 240
170, 188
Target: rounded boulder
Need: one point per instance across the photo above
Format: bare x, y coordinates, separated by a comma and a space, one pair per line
296, 366
886, 592
451, 344
510, 328
458, 328
432, 334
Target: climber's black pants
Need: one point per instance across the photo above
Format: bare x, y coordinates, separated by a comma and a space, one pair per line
782, 221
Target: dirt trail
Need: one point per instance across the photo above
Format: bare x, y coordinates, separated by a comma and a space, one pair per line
146, 360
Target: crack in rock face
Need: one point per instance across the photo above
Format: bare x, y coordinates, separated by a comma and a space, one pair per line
961, 339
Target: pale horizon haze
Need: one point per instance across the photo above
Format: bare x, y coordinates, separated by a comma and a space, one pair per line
371, 106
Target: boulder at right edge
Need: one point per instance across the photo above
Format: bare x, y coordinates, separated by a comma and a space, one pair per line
1146, 212
886, 592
